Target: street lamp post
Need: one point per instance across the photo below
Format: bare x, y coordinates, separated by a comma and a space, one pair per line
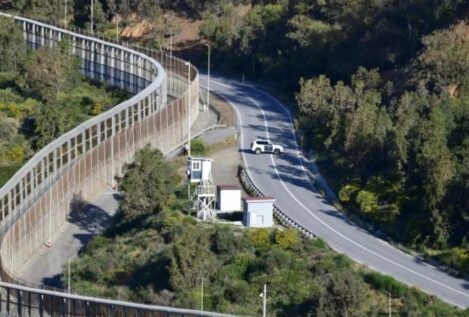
170, 55
68, 284
264, 301
68, 278
389, 303
65, 18
208, 73
92, 15
188, 64
170, 40
117, 28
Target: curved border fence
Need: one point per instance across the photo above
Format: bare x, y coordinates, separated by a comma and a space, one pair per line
36, 201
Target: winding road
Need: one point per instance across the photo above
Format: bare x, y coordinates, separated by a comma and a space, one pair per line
285, 178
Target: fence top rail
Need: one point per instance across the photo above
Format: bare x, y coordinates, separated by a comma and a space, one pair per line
156, 83
111, 302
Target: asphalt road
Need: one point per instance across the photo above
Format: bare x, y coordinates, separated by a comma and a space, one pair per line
284, 178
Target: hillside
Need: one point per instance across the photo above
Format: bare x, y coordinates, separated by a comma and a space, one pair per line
37, 103
155, 253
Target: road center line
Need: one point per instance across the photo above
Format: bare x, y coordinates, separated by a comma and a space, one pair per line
309, 211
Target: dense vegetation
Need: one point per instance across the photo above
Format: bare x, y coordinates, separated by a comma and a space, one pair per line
386, 110
384, 102
156, 254
399, 155
42, 95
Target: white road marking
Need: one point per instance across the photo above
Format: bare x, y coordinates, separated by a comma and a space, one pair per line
309, 211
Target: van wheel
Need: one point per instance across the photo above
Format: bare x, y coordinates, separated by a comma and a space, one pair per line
258, 151
277, 152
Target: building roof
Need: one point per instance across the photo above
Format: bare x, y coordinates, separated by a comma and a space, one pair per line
258, 199
229, 187
199, 158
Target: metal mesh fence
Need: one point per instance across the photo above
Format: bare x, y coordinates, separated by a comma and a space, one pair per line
36, 201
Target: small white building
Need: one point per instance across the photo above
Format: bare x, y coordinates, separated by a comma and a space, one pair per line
229, 198
258, 212
199, 169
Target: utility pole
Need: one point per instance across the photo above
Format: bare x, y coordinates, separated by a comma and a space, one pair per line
264, 301
208, 73
92, 15
202, 296
117, 28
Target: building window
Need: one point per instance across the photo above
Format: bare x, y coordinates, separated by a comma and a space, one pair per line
196, 166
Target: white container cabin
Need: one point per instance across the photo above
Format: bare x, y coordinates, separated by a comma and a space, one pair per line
229, 198
258, 212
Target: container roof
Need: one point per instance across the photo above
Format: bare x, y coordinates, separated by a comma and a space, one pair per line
229, 187
199, 158
259, 199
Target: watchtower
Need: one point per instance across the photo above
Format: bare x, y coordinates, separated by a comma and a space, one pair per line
205, 200
200, 171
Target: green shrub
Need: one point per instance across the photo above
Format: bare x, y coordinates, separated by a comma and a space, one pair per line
348, 192
260, 238
385, 283
456, 257
286, 239
198, 147
368, 201
98, 242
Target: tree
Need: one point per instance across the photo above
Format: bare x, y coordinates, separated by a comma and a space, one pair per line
82, 14
342, 295
12, 48
444, 59
52, 120
148, 183
52, 71
52, 10
8, 128
191, 259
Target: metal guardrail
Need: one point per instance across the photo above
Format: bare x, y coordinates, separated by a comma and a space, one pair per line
88, 306
285, 220
36, 201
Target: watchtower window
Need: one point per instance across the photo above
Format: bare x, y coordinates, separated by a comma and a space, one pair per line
196, 166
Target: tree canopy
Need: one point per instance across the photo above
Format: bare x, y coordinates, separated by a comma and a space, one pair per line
42, 95
148, 183
400, 146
